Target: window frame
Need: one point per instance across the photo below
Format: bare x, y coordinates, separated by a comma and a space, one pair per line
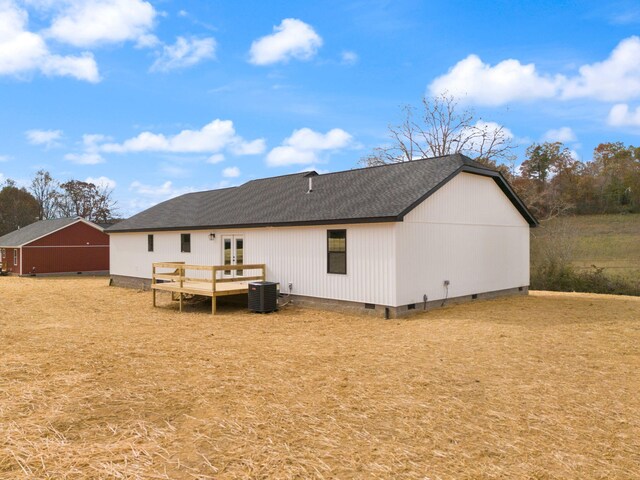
15, 257
185, 241
150, 242
329, 252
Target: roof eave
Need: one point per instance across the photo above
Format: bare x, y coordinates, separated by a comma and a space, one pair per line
306, 223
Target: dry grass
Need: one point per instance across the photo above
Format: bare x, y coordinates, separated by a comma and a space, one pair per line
94, 383
610, 241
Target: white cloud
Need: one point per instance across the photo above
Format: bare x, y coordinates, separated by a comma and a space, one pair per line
147, 40
291, 39
349, 58
22, 51
212, 138
307, 139
475, 81
304, 146
216, 158
623, 116
231, 172
91, 140
492, 127
86, 158
563, 134
166, 190
102, 182
90, 155
47, 138
255, 147
4, 158
174, 171
614, 79
86, 23
82, 67
186, 52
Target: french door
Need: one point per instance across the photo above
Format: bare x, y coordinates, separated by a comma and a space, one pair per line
232, 254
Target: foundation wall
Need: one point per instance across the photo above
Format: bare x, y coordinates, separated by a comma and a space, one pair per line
379, 311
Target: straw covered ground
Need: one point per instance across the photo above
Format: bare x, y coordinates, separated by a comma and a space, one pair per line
95, 383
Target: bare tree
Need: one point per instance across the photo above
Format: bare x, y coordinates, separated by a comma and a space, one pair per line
442, 128
44, 188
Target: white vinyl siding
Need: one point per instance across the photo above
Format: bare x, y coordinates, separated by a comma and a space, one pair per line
129, 255
469, 233
292, 254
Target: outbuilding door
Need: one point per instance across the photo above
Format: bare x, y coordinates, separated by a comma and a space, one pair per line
233, 254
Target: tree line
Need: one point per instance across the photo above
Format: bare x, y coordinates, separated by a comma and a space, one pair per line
550, 179
46, 198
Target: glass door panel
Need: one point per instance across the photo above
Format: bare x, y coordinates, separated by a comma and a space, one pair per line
226, 254
232, 254
239, 254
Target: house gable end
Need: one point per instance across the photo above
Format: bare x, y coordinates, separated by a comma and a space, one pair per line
78, 233
468, 199
481, 172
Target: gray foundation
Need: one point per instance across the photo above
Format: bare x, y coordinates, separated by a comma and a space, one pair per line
380, 311
130, 282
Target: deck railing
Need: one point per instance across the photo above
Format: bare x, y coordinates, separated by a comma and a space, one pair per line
182, 279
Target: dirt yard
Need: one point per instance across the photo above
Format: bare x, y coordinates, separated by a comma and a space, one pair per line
95, 383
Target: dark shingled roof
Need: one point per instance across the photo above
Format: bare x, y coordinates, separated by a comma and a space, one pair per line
36, 230
374, 194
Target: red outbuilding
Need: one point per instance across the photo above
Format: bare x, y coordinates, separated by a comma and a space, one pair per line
61, 245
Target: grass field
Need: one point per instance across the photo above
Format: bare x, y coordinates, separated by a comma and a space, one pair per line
611, 242
95, 383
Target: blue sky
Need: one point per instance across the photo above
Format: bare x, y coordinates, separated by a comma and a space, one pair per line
163, 97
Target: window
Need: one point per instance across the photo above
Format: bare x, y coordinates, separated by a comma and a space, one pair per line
185, 242
15, 257
149, 243
4, 254
337, 251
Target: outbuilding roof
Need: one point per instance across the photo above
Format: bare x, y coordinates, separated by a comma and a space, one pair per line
374, 194
36, 230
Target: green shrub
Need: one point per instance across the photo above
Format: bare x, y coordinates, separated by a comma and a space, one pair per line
564, 278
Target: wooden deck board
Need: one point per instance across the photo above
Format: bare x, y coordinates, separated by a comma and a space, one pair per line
201, 288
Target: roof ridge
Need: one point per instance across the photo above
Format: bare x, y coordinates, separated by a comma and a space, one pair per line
203, 191
397, 163
305, 172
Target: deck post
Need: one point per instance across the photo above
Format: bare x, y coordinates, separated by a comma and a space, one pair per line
213, 290
153, 282
181, 268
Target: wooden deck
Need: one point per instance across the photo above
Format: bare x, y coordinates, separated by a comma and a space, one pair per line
178, 279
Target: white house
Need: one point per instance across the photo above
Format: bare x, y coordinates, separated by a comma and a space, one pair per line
390, 238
